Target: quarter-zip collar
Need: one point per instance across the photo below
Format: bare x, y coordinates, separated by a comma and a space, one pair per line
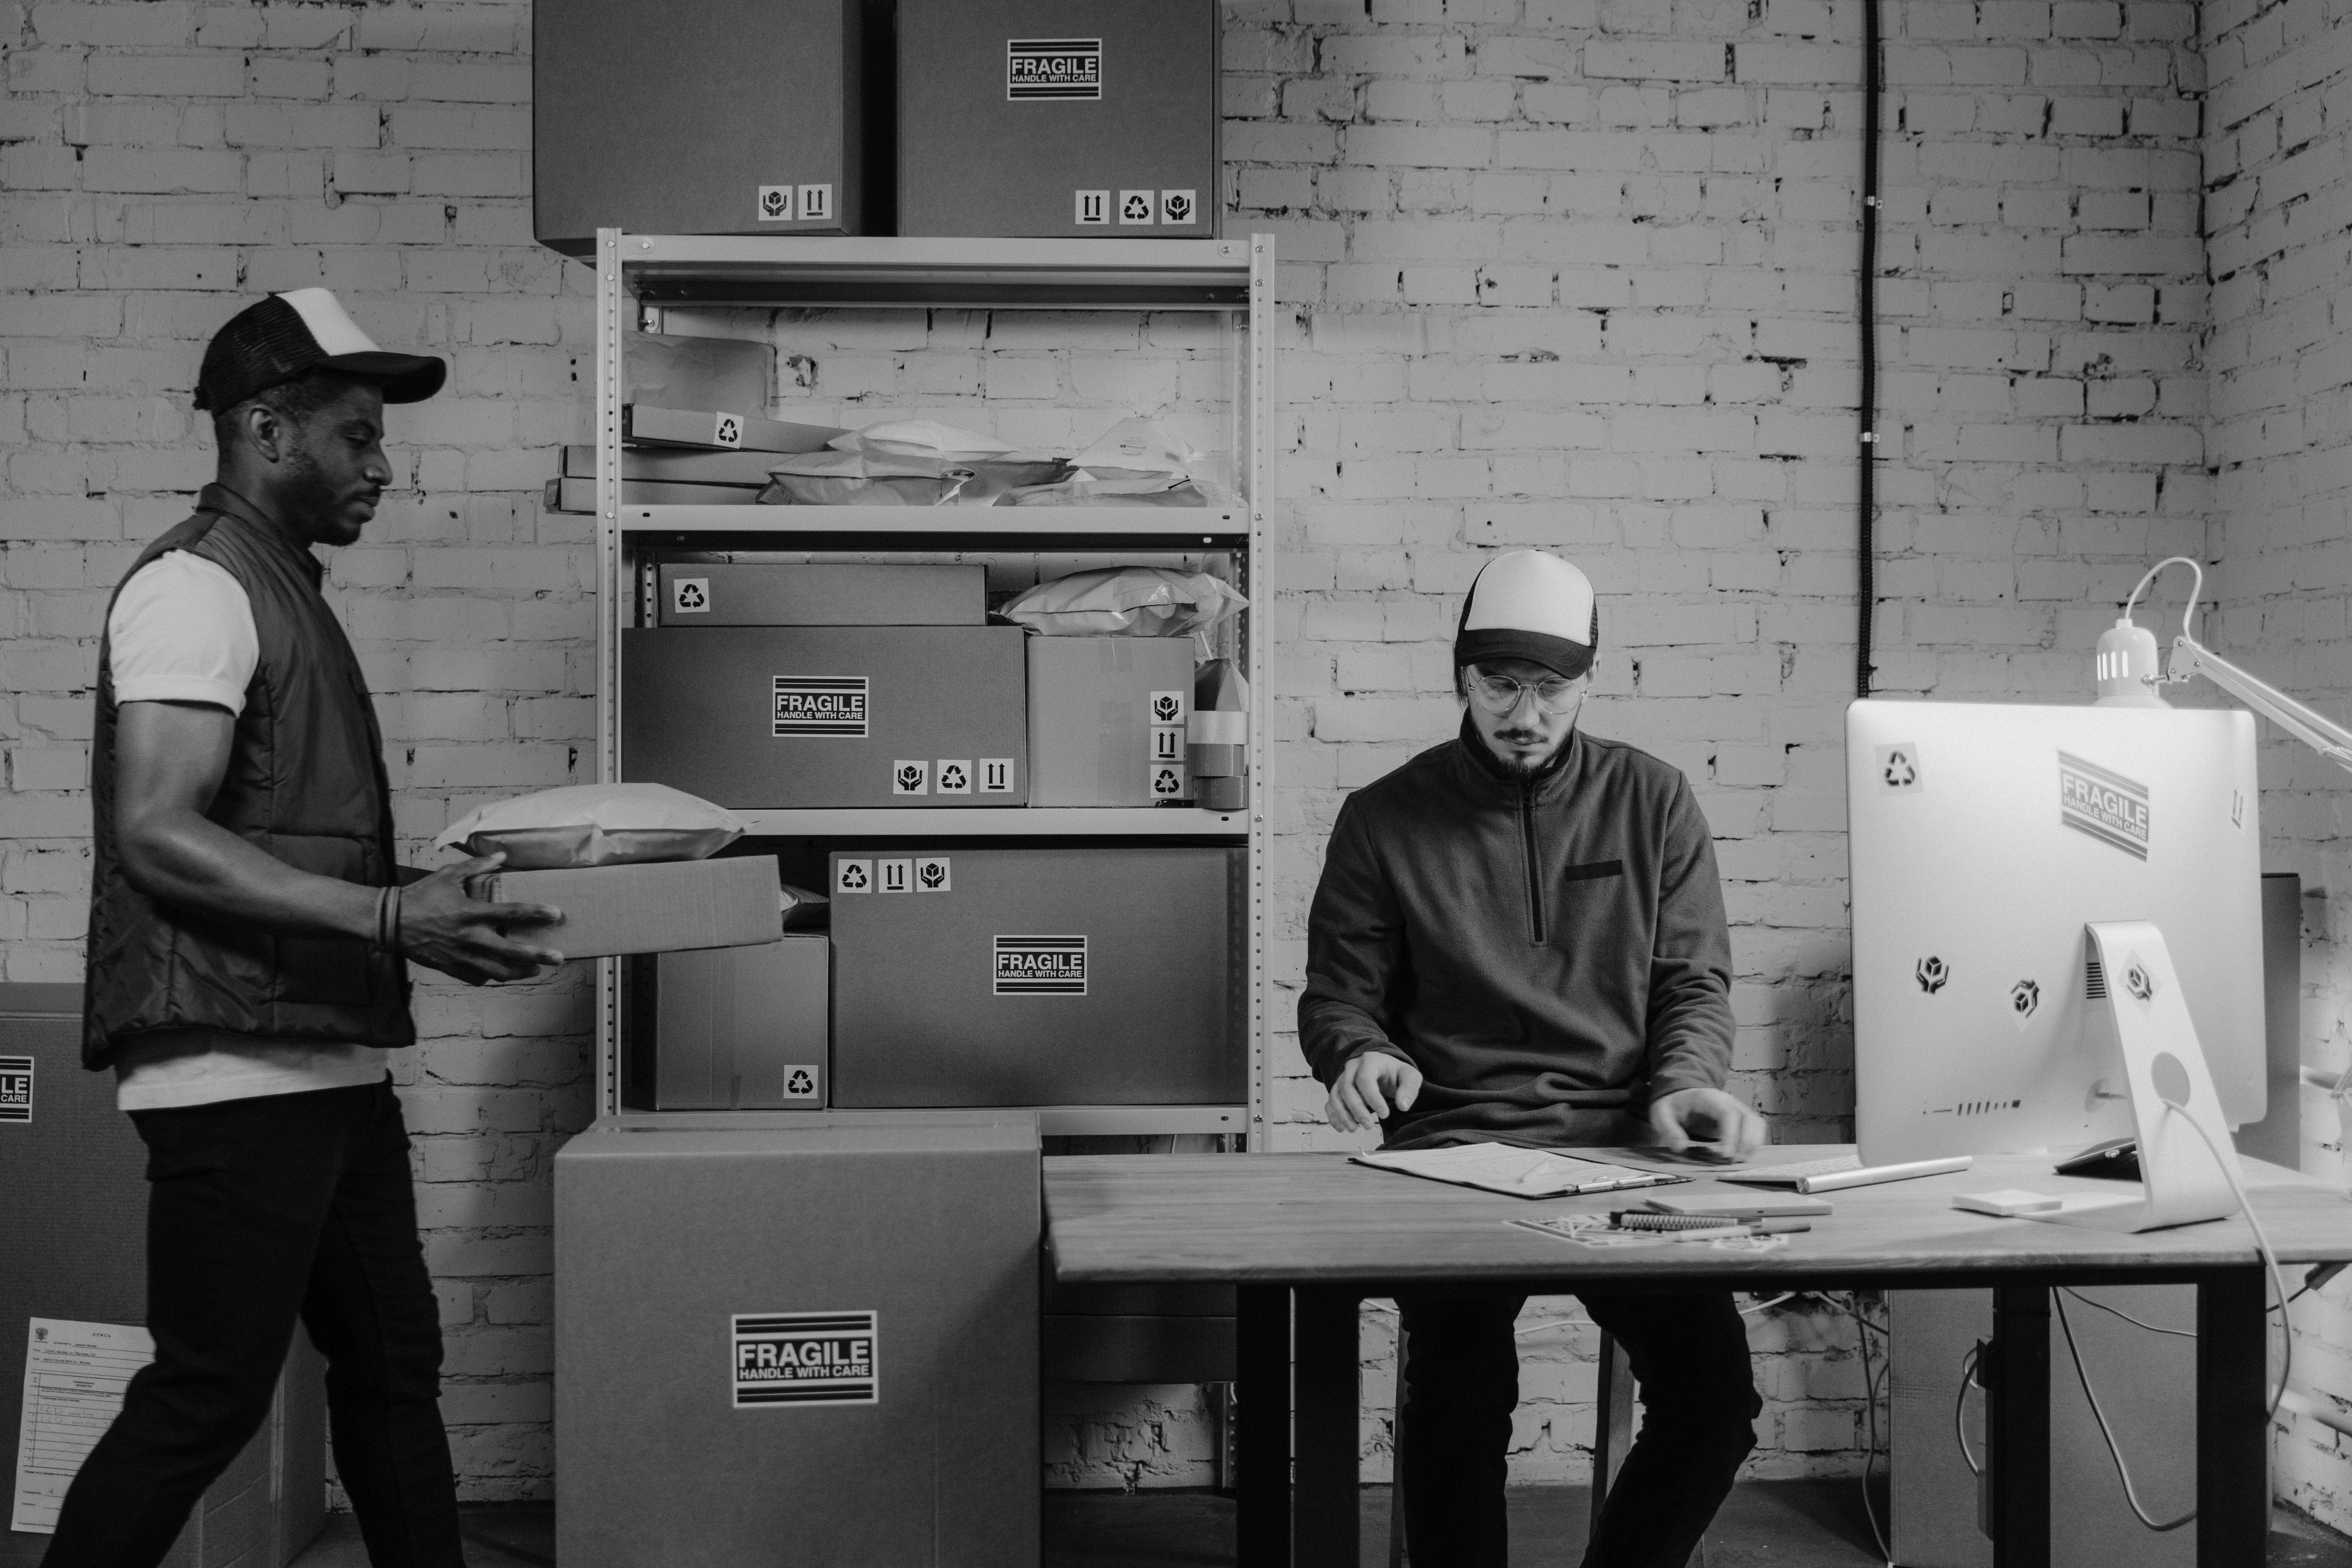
218, 498
1483, 778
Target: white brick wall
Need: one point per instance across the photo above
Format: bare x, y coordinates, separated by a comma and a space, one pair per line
1573, 273
2277, 202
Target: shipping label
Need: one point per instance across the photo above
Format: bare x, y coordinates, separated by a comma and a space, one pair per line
1041, 966
1053, 69
16, 1089
820, 705
805, 1358
2109, 807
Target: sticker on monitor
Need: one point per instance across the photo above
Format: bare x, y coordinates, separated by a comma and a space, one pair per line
810, 706
2104, 805
805, 1358
1041, 966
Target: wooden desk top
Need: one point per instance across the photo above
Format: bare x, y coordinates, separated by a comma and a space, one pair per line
1307, 1219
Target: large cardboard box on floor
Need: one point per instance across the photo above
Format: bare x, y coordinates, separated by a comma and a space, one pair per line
709, 117
655, 906
73, 1233
1078, 118
731, 1028
1106, 720
763, 717
1099, 976
811, 1341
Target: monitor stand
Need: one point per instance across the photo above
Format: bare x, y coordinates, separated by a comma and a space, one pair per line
2146, 1020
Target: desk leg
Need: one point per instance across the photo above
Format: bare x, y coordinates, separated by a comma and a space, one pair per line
1325, 1535
2017, 1426
2234, 1503
1262, 1393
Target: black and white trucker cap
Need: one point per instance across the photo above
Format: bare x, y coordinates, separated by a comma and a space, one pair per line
280, 337
1528, 604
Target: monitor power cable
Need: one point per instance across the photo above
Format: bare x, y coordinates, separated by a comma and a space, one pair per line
1872, 1378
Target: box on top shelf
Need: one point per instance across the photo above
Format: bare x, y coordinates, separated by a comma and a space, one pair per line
1039, 976
719, 430
1059, 118
760, 593
709, 117
765, 717
1107, 717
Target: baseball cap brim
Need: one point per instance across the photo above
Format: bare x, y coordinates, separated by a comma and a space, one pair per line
1566, 658
405, 378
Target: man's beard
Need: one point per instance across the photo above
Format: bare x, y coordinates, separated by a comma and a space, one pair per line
1526, 765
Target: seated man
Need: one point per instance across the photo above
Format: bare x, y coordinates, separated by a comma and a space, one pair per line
1519, 937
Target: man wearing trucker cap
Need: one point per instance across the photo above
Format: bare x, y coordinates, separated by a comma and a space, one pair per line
247, 936
1519, 937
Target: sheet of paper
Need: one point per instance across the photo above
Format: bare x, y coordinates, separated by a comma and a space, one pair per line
74, 1377
1504, 1168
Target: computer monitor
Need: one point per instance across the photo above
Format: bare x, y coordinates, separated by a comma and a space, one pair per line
1981, 838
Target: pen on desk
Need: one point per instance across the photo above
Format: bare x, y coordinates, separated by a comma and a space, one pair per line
1726, 1225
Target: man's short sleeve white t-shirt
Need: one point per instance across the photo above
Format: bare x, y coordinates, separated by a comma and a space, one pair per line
181, 631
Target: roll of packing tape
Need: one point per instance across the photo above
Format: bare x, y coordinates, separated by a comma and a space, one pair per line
1217, 729
1209, 761
1227, 794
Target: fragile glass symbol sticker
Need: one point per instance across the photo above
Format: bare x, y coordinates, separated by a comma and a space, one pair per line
806, 1358
775, 203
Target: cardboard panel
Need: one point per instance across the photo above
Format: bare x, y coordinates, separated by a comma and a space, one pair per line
1090, 976
774, 717
1011, 110
913, 593
744, 1027
1092, 725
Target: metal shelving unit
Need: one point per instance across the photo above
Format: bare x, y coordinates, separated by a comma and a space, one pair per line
1232, 278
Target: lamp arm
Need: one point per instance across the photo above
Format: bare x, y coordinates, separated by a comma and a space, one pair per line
2318, 731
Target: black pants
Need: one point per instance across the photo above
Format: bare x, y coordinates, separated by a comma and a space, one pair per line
1461, 1381
260, 1211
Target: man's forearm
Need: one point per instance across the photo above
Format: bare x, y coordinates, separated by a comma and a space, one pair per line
177, 857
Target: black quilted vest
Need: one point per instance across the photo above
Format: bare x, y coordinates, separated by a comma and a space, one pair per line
305, 783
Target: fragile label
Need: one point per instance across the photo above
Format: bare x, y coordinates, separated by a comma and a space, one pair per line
16, 1089
2109, 807
1037, 68
1041, 966
805, 1358
820, 705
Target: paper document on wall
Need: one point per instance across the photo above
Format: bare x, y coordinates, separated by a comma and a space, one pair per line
1521, 1172
74, 1377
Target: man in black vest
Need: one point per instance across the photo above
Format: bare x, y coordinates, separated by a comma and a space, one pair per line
248, 930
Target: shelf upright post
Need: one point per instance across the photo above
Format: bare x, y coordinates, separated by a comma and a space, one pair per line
1260, 422
612, 601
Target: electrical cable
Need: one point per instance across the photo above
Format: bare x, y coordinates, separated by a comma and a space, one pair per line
2127, 1317
1960, 1406
2261, 1242
1870, 1418
1866, 496
2131, 1494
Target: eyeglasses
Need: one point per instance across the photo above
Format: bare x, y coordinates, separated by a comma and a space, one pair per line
1500, 693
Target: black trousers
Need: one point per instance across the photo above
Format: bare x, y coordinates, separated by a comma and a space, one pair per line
1461, 1381
261, 1211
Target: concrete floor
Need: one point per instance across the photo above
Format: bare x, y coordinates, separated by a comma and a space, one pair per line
1766, 1524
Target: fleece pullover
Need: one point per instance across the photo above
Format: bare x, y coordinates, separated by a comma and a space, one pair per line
1551, 951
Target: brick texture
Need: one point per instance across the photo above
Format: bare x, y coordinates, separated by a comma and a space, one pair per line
2277, 204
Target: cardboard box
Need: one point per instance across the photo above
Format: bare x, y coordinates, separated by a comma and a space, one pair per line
74, 1234
660, 906
721, 594
709, 117
731, 1028
904, 1250
1075, 117
773, 717
720, 430
569, 494
1091, 976
679, 465
1106, 720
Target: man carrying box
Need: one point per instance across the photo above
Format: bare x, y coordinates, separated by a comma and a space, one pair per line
1519, 937
248, 927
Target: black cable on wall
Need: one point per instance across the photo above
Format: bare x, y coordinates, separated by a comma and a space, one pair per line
1866, 544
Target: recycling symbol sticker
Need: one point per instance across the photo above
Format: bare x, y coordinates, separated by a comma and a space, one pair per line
690, 595
1167, 783
727, 431
1932, 975
854, 876
1899, 769
1135, 206
800, 1083
955, 777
